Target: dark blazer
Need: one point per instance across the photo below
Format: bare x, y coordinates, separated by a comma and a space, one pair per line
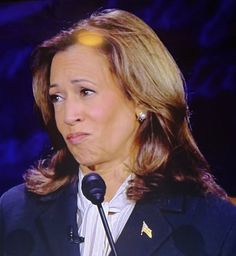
176, 225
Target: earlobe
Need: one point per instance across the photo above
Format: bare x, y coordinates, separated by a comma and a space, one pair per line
141, 116
141, 112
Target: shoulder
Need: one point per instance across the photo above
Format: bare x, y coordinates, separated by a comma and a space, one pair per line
208, 204
209, 213
208, 219
218, 213
13, 195
213, 219
11, 205
15, 189
19, 194
216, 218
14, 202
216, 208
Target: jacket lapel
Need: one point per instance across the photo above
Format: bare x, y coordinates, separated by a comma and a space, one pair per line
148, 228
57, 223
145, 233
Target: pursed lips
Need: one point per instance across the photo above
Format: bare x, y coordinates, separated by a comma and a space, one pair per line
77, 137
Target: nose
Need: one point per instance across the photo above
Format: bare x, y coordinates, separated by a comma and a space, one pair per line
72, 112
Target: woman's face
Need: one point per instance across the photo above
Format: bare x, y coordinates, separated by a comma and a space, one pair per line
96, 120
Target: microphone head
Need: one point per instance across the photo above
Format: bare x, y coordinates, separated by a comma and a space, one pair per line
94, 188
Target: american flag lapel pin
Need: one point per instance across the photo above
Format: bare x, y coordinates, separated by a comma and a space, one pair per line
145, 229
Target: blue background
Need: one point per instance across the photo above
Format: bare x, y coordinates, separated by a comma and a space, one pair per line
200, 34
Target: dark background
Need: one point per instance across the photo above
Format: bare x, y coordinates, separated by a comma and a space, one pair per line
199, 34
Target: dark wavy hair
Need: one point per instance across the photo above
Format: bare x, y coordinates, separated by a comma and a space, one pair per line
168, 158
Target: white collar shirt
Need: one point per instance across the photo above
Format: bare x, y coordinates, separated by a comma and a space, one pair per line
90, 223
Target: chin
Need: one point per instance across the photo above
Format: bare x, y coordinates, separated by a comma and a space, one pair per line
85, 162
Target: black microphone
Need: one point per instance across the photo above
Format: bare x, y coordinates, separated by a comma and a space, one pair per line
74, 238
94, 188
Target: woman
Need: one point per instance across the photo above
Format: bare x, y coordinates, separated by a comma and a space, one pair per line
114, 103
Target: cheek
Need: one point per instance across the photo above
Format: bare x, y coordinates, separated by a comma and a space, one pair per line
59, 122
104, 111
115, 118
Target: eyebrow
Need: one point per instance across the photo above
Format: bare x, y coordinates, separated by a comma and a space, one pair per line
52, 85
74, 81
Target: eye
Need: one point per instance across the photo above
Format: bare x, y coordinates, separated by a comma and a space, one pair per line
54, 98
86, 92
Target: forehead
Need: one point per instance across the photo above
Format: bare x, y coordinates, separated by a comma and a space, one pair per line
79, 59
79, 54
83, 63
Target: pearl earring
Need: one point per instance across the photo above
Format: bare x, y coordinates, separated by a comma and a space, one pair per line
141, 116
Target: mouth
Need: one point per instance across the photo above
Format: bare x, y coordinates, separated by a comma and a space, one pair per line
77, 137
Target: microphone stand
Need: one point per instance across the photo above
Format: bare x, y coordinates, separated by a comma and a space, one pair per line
94, 188
107, 229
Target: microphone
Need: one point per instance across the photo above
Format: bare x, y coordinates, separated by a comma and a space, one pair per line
73, 238
94, 188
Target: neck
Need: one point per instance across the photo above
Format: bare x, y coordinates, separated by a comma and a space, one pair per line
113, 178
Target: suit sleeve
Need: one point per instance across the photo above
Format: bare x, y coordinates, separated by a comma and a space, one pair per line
1, 227
229, 245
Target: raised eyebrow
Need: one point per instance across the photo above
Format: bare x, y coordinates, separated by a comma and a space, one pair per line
74, 81
77, 81
52, 85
